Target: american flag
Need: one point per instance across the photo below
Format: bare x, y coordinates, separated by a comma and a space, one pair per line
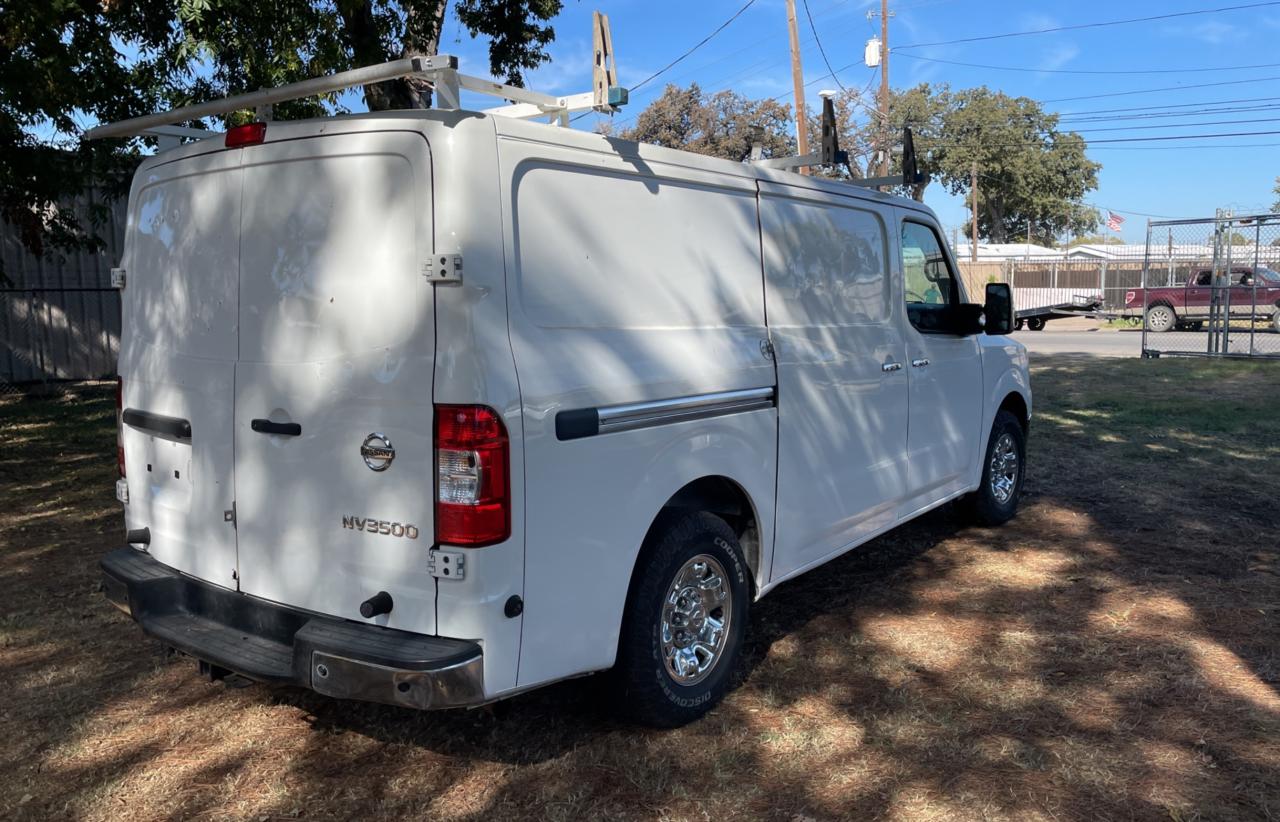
1114, 221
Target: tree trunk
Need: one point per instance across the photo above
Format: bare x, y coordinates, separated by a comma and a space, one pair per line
421, 38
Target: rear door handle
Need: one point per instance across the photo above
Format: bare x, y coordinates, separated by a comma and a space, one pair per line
284, 429
175, 427
920, 363
891, 366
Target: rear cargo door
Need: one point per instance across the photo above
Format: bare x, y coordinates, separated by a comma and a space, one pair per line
336, 352
177, 361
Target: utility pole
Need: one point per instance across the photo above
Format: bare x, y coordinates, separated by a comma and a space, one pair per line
884, 88
797, 78
973, 188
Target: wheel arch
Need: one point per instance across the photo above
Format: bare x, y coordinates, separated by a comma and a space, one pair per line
1016, 404
726, 498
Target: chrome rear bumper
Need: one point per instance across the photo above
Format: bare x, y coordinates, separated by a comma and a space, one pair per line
237, 633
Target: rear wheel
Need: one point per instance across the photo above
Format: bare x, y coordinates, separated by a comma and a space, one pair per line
1018, 324
996, 500
684, 623
1275, 320
1036, 323
1160, 318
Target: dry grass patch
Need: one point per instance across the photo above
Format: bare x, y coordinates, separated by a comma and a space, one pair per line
1109, 654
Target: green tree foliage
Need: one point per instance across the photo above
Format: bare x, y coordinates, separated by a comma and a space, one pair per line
1028, 169
66, 64
720, 125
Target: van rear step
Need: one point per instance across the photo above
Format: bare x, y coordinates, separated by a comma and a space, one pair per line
274, 643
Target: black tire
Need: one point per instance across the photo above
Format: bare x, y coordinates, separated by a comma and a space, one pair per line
1018, 324
646, 691
1036, 323
1160, 318
1275, 320
985, 504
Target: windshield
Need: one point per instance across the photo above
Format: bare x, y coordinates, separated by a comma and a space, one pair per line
1268, 274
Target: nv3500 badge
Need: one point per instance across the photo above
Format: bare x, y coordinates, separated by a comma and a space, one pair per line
380, 526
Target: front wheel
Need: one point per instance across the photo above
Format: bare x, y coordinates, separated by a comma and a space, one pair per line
684, 623
1275, 320
996, 500
1160, 318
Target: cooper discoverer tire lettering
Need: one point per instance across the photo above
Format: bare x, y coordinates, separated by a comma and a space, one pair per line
684, 623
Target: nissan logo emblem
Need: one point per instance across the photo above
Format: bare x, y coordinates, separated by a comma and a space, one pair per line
377, 452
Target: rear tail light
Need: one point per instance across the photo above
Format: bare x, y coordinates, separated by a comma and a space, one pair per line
249, 134
473, 476
120, 425
1129, 297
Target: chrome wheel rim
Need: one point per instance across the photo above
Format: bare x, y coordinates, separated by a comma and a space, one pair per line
1160, 319
695, 619
1004, 468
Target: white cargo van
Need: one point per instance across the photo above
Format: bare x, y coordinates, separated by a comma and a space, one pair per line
431, 408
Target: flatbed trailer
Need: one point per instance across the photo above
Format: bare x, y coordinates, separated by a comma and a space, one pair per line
1035, 307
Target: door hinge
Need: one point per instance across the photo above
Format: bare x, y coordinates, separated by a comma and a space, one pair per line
447, 564
117, 277
444, 268
229, 515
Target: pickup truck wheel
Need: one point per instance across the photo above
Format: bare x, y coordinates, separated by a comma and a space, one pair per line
684, 623
1160, 318
1275, 320
1003, 468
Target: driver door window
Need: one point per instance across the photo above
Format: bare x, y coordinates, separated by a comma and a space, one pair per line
931, 285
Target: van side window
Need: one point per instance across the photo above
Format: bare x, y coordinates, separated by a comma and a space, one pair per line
930, 282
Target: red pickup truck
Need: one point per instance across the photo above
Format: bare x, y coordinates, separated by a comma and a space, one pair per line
1250, 292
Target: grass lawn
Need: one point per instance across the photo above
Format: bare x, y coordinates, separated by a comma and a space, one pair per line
1112, 653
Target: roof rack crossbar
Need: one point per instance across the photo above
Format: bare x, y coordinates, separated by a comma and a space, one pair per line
440, 69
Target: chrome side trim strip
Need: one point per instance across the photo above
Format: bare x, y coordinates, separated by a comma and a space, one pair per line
588, 422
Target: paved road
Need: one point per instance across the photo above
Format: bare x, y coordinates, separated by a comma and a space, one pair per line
1098, 343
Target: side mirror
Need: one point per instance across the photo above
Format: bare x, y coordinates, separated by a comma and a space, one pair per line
999, 309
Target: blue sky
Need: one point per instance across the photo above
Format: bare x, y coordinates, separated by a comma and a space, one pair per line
1165, 179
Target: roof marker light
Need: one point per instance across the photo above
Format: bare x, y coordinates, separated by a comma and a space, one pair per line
249, 134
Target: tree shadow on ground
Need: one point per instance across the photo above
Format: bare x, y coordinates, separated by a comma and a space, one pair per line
1108, 654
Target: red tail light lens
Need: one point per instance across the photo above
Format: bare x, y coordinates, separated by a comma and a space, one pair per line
473, 476
119, 424
247, 135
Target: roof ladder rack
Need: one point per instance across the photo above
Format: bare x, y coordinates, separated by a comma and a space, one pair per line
440, 70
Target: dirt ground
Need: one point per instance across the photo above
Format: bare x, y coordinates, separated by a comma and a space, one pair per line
1110, 654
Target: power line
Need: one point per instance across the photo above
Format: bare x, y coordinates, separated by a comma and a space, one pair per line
1031, 70
821, 50
700, 44
1028, 143
1078, 26
676, 61
1168, 105
1154, 90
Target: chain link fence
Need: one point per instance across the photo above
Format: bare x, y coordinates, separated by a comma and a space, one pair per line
1211, 287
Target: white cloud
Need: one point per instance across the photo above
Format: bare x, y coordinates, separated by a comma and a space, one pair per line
1212, 32
1057, 57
